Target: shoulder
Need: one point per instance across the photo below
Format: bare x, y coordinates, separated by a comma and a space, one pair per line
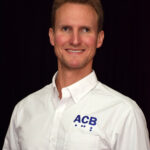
35, 100
109, 98
119, 110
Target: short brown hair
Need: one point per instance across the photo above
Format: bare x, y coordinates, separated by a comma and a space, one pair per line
96, 4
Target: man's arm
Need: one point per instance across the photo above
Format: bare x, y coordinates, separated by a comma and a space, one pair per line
133, 132
11, 139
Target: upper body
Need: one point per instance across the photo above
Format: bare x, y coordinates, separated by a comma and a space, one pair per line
76, 111
90, 116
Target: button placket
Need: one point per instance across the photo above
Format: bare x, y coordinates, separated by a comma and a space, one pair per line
56, 122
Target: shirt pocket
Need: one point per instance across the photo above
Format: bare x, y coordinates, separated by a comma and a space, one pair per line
78, 141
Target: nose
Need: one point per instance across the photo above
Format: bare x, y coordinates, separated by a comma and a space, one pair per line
75, 38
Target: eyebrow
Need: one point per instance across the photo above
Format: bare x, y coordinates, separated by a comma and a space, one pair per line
64, 25
82, 26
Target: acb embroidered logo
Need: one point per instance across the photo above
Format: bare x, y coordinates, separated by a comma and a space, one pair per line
84, 121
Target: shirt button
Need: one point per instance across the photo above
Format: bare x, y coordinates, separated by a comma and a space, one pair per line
52, 140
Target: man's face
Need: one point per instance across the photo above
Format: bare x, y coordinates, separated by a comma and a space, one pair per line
75, 37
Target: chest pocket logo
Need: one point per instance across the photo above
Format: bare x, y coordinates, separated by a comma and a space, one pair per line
85, 121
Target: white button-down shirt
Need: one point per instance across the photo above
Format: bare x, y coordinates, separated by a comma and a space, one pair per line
90, 116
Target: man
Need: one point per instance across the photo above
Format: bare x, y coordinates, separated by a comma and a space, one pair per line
76, 111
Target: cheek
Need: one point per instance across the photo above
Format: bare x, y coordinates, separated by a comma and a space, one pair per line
60, 40
90, 41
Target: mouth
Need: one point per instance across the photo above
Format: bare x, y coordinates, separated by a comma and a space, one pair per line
75, 50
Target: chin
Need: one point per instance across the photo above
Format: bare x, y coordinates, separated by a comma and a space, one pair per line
75, 66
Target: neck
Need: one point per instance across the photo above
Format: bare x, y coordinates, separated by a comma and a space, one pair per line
66, 77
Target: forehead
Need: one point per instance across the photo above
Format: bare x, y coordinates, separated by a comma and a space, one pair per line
74, 13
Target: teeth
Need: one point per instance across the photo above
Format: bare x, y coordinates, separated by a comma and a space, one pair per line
75, 51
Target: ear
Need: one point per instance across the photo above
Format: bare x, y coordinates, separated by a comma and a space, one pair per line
100, 39
51, 36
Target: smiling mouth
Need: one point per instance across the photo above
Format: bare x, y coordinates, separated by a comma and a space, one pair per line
75, 50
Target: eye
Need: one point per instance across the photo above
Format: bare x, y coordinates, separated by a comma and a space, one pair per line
85, 29
66, 29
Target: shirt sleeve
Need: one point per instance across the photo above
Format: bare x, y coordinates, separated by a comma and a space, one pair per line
133, 133
11, 139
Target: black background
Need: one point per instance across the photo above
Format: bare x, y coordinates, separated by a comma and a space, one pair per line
28, 62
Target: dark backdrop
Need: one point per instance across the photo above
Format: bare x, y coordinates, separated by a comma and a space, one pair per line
28, 62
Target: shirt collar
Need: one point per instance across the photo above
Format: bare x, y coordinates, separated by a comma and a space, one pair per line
79, 88
54, 83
